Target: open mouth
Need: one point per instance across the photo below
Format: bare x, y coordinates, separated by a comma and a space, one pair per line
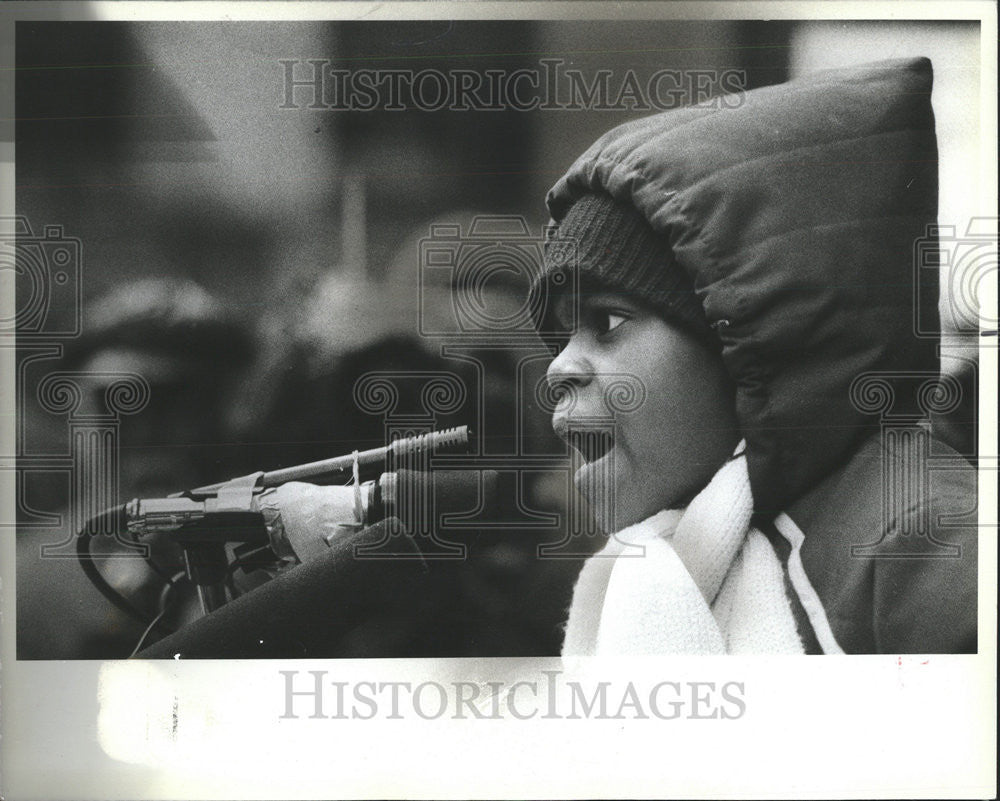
591, 445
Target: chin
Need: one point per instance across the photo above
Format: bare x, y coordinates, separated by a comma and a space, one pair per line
635, 495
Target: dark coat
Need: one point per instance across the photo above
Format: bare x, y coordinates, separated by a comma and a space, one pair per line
796, 211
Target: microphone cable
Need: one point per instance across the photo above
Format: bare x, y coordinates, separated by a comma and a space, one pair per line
87, 562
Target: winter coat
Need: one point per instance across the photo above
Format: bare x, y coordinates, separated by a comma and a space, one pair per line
796, 211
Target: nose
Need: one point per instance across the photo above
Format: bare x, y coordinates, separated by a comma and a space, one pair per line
571, 369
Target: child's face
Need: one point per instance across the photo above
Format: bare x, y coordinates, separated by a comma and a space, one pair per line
666, 447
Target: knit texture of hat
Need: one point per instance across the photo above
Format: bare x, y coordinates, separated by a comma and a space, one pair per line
611, 246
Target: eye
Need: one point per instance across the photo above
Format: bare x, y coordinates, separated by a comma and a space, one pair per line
615, 320
607, 321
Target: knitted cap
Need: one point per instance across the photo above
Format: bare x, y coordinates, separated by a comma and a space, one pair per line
614, 248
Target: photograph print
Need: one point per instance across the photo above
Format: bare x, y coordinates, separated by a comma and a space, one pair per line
496, 338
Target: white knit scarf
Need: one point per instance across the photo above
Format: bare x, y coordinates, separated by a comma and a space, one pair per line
698, 580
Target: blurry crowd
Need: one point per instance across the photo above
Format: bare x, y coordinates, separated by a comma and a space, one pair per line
227, 399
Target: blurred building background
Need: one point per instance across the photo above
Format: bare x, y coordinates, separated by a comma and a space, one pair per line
165, 149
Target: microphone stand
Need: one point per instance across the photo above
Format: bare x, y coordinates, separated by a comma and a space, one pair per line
204, 519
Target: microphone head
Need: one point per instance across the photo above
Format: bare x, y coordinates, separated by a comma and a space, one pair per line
446, 494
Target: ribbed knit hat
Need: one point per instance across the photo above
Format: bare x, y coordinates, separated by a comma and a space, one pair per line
612, 247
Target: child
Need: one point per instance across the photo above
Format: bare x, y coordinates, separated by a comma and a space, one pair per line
748, 269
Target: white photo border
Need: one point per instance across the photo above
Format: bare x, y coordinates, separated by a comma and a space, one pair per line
847, 727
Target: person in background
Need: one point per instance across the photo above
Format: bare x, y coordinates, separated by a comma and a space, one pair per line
190, 348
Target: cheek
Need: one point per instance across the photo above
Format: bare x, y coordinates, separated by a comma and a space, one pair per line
657, 441
681, 434
673, 404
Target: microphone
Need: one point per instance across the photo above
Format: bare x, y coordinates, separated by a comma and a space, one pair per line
406, 494
399, 453
204, 520
318, 608
303, 520
296, 513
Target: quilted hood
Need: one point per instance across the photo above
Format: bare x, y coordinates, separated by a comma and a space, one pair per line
795, 210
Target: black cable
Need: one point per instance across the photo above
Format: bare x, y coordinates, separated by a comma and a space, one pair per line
86, 560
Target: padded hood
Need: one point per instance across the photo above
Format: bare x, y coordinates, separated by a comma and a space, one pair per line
795, 209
